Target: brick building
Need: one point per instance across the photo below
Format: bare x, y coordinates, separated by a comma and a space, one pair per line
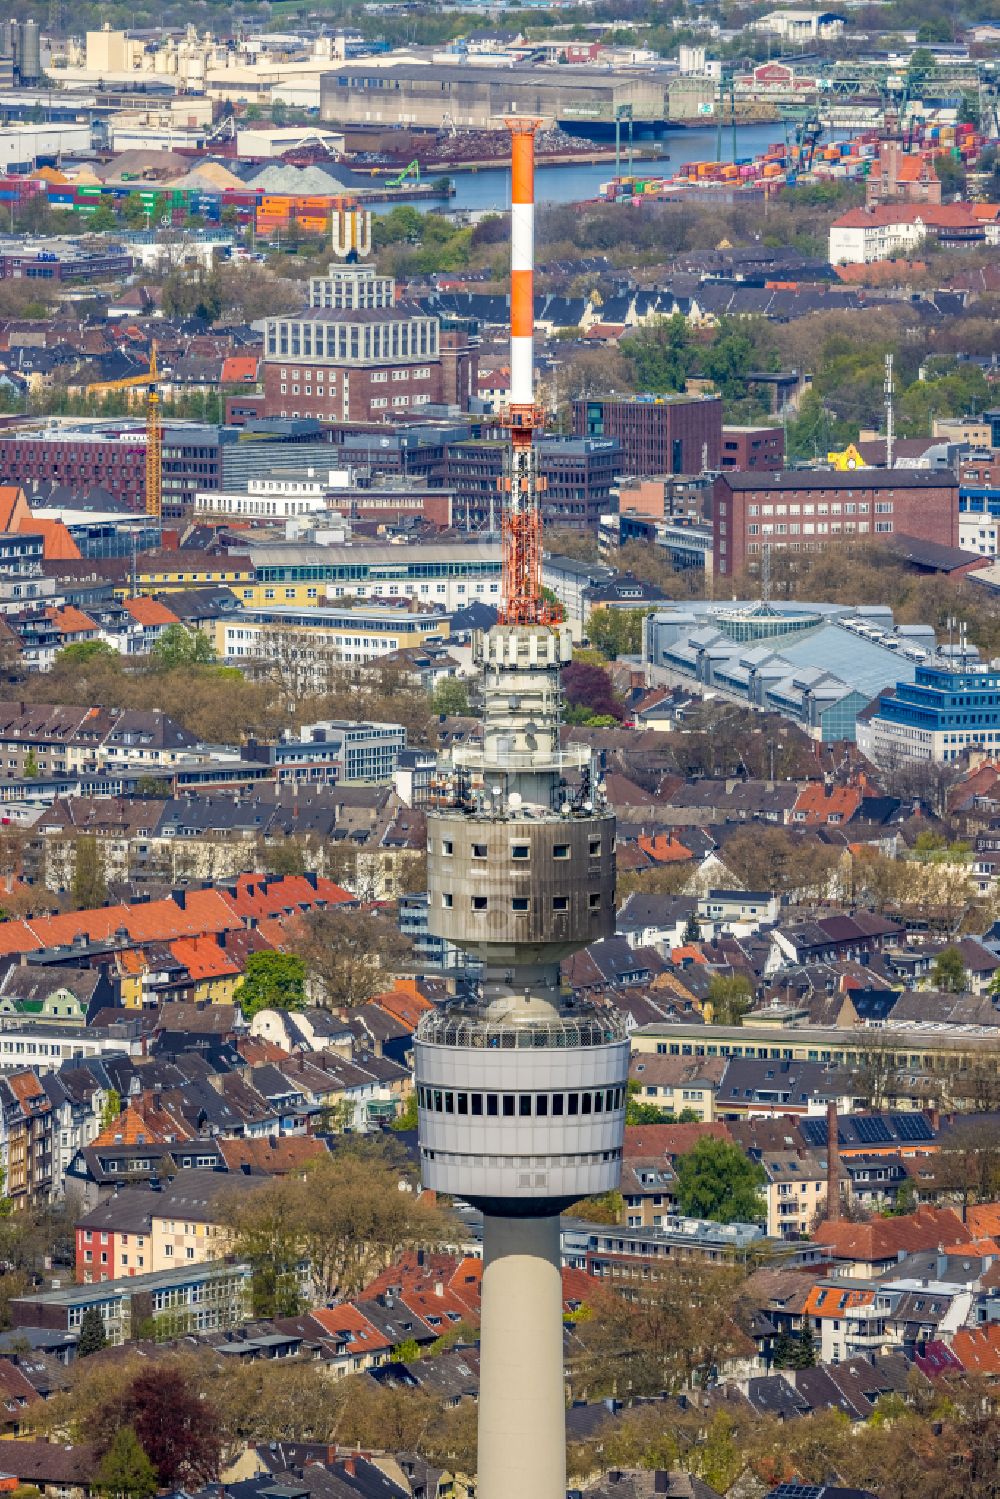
657, 434
898, 176
577, 474
358, 354
753, 448
82, 453
803, 511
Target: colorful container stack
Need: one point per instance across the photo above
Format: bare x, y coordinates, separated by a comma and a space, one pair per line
779, 165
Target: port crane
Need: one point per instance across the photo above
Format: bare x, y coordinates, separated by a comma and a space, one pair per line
411, 170
154, 427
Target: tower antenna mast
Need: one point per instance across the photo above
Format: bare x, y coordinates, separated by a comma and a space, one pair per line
523, 603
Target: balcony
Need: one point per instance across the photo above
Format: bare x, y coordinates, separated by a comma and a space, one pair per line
466, 1027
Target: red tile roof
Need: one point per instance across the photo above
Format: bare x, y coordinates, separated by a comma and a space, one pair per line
142, 1123
984, 1219
817, 804
204, 958
830, 1301
274, 1156
978, 1348
664, 848
13, 506
935, 215
150, 612
657, 1140
884, 1238
239, 369
345, 1319
403, 1003
197, 913
71, 621
57, 544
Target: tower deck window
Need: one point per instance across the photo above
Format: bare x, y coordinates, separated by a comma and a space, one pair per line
520, 850
560, 850
480, 851
480, 902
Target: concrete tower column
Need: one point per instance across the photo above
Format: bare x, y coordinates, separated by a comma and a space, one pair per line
522, 1403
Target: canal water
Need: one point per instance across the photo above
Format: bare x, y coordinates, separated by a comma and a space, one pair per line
490, 187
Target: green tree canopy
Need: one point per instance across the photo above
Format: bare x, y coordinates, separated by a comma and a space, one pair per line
716, 1180
126, 1472
730, 997
948, 972
93, 1335
82, 652
272, 981
450, 697
179, 646
616, 632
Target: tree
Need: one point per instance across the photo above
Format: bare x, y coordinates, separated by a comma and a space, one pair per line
349, 954
804, 1348
112, 1108
89, 888
950, 173
616, 632
670, 1335
948, 972
730, 998
406, 1119
347, 1216
93, 1336
450, 698
692, 928
875, 1079
180, 647
589, 693
74, 656
783, 1352
125, 1471
176, 1427
608, 1207
272, 981
637, 1112
31, 766
661, 356
716, 1180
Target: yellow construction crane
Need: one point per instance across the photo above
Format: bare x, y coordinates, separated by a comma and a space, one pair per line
154, 444
154, 430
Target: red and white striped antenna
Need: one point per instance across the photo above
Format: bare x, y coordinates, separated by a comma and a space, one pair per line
523, 603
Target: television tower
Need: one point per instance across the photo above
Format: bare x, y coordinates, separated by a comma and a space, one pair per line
520, 1086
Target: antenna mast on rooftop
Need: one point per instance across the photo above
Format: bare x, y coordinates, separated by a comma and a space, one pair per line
889, 413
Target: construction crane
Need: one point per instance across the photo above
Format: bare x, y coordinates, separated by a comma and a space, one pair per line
154, 429
154, 444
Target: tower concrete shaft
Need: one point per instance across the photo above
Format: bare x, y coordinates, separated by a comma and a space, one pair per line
522, 1416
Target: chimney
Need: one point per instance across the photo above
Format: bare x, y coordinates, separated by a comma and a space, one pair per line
832, 1163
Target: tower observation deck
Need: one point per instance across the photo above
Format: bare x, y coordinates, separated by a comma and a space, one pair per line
521, 1087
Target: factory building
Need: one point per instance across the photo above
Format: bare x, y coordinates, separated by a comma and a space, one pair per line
474, 96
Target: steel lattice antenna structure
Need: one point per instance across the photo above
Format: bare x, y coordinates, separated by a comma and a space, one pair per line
521, 1086
522, 516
